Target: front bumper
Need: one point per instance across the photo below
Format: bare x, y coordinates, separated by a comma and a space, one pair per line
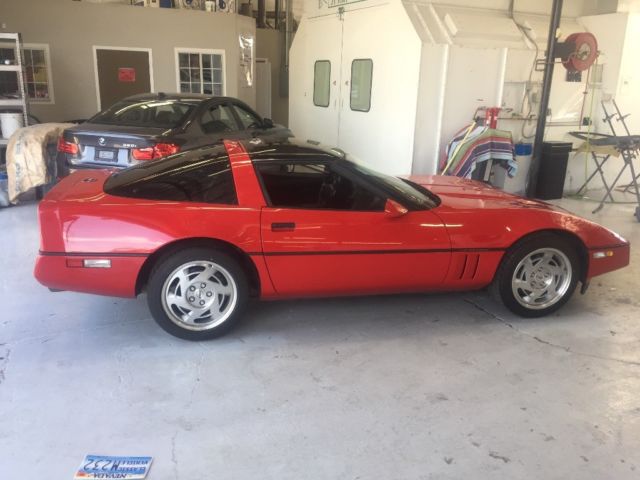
607, 258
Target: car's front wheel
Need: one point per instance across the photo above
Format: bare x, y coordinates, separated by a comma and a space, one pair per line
197, 293
538, 275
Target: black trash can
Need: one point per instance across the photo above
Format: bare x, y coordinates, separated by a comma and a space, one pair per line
553, 169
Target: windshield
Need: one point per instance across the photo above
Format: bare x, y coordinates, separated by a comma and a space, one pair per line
411, 192
147, 113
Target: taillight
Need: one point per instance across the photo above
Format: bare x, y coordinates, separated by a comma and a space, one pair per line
159, 150
67, 147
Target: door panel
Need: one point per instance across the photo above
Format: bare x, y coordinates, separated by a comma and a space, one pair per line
322, 252
121, 73
313, 121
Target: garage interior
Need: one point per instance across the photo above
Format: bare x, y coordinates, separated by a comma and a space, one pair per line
407, 386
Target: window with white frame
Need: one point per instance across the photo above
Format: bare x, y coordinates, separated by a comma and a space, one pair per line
37, 67
200, 71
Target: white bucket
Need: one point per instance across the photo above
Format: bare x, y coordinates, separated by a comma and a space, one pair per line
10, 122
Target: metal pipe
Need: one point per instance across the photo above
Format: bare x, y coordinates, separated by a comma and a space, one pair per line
262, 14
550, 59
277, 13
287, 32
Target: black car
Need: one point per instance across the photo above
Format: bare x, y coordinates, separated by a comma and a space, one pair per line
151, 126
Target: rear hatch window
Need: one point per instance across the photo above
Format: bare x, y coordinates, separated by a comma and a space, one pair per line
199, 175
146, 113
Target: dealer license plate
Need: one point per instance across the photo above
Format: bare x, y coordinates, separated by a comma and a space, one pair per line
106, 155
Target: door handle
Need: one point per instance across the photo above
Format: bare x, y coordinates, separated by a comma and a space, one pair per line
283, 227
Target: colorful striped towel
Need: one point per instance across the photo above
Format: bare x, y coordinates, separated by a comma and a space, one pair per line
481, 144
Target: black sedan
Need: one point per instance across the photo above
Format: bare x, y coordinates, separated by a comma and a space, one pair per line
152, 126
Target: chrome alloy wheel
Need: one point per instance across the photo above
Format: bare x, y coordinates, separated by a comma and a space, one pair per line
199, 295
541, 278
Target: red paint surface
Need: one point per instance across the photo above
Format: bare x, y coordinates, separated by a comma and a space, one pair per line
457, 245
126, 75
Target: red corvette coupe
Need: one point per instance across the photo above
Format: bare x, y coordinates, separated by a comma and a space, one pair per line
204, 230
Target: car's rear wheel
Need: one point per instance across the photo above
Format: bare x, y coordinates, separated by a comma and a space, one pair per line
197, 293
538, 275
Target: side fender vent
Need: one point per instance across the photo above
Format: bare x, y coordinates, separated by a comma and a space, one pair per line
466, 266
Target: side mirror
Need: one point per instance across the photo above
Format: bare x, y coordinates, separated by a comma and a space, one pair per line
267, 123
394, 209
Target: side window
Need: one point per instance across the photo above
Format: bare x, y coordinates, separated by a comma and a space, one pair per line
314, 186
248, 119
188, 177
361, 78
218, 119
321, 83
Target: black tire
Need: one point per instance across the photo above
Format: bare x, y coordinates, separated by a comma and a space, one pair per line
503, 285
170, 314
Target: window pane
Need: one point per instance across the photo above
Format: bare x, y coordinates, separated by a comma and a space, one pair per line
361, 77
183, 60
38, 57
248, 119
195, 74
184, 75
217, 61
40, 74
28, 59
184, 88
190, 176
218, 119
207, 88
206, 61
42, 91
206, 75
321, 83
217, 89
217, 76
315, 186
146, 113
194, 60
195, 87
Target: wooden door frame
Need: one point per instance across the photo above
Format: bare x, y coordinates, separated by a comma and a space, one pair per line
131, 49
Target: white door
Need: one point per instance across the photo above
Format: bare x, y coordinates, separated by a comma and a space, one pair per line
379, 88
316, 67
263, 87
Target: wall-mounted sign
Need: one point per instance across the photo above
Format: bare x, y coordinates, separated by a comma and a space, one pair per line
100, 466
127, 74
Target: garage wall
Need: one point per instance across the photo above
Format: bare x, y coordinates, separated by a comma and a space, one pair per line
71, 29
270, 44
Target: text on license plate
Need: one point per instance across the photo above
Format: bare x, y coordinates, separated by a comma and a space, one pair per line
108, 155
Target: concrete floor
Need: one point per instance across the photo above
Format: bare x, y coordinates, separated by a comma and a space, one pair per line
406, 387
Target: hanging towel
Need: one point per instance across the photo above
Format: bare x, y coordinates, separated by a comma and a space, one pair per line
479, 145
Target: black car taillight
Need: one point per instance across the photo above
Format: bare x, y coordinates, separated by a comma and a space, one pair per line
159, 150
67, 147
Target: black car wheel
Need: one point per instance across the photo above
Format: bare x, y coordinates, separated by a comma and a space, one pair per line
197, 293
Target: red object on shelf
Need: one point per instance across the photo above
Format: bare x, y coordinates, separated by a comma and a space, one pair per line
491, 117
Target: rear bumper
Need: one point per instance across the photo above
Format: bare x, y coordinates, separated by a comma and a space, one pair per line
65, 167
607, 259
60, 271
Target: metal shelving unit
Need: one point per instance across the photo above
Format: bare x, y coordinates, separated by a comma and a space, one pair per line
18, 67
